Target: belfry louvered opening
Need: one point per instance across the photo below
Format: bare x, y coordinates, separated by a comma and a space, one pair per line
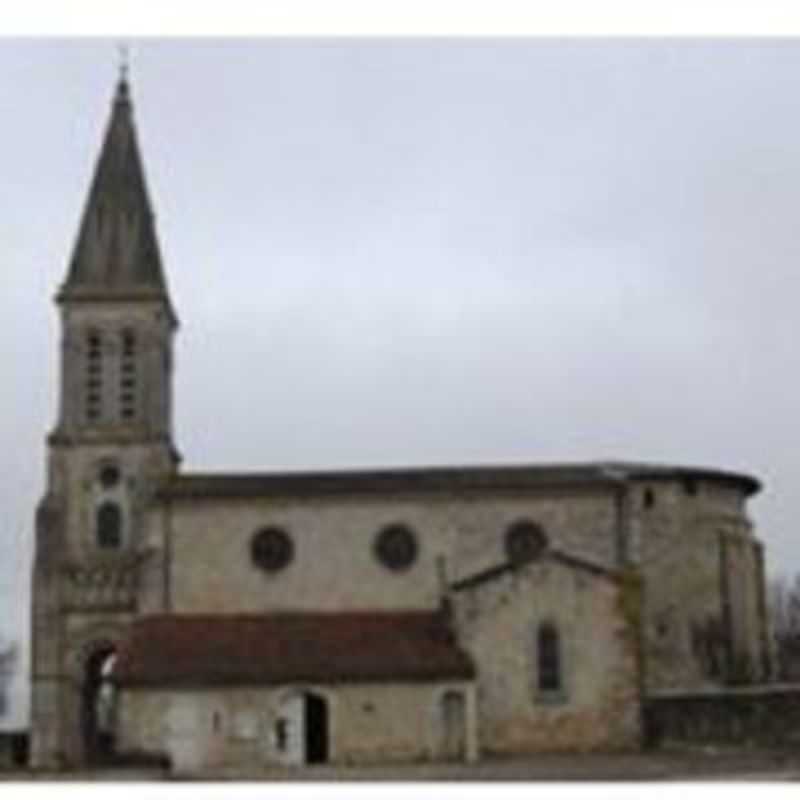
127, 376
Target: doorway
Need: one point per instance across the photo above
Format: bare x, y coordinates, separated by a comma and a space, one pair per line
98, 706
315, 723
453, 726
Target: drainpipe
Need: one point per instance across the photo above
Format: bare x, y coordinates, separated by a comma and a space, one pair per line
622, 526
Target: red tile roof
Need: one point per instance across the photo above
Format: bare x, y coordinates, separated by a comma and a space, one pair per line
212, 650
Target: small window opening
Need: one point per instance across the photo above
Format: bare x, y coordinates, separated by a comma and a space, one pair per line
690, 486
549, 659
649, 498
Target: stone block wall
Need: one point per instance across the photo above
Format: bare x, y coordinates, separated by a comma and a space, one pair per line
704, 610
224, 727
334, 567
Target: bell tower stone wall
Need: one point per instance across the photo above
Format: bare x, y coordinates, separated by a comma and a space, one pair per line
110, 447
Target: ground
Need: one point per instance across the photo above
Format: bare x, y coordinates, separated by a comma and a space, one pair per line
706, 764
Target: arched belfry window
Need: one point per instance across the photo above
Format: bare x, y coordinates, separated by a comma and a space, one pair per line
548, 658
127, 375
109, 526
94, 376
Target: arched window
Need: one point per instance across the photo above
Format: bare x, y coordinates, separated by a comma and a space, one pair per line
548, 658
94, 376
109, 526
127, 376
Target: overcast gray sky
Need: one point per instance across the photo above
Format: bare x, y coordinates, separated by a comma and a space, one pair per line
411, 253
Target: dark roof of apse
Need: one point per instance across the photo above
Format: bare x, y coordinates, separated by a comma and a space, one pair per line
440, 479
116, 253
271, 649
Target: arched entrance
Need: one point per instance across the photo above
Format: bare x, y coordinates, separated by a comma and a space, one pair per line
315, 723
98, 706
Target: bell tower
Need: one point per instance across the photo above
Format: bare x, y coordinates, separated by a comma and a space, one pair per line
110, 448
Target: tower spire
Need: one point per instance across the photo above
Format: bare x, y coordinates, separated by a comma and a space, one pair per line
116, 251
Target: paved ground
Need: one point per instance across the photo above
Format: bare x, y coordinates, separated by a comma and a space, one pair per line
705, 765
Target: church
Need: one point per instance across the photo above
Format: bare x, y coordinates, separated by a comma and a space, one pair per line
350, 617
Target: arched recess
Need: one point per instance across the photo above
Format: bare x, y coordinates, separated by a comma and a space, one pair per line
90, 666
109, 525
98, 706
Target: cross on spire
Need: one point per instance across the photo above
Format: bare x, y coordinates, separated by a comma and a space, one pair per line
124, 61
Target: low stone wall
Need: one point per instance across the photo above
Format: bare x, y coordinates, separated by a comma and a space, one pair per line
765, 716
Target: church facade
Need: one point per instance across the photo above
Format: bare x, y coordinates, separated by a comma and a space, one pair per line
346, 617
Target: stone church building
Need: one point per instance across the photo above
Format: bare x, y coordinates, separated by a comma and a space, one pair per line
355, 616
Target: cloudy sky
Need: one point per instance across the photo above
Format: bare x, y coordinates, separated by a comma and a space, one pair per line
396, 252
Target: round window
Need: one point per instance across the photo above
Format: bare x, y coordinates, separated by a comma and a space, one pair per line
109, 476
525, 541
271, 549
396, 547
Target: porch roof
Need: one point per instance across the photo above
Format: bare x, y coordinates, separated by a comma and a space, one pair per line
272, 649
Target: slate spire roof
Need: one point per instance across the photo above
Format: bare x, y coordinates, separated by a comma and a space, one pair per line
116, 253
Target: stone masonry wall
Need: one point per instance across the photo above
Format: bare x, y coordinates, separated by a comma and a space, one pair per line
334, 565
704, 621
211, 728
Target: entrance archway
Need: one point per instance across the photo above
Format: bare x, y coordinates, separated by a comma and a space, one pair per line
315, 724
98, 706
